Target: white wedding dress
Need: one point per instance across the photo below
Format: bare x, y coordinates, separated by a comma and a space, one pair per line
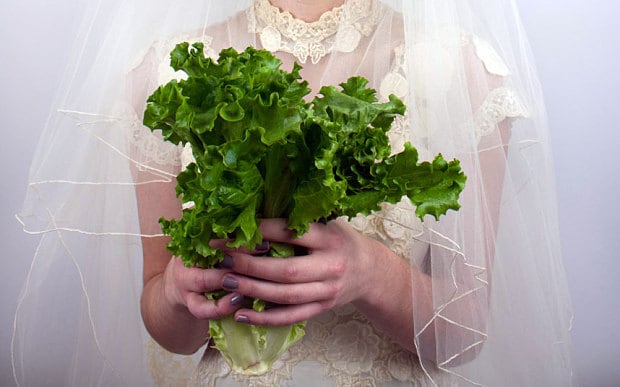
341, 347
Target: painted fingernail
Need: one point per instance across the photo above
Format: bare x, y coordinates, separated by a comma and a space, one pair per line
230, 283
227, 262
242, 319
236, 300
263, 246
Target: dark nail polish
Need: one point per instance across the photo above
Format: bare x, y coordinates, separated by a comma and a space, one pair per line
264, 246
242, 319
236, 300
230, 283
227, 262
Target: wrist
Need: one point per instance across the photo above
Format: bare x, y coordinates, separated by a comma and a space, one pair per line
169, 322
387, 274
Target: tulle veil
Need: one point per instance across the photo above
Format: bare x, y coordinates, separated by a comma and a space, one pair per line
501, 312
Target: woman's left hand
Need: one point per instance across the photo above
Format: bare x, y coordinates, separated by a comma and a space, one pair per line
339, 268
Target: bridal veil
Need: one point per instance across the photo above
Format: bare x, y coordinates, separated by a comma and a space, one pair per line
501, 308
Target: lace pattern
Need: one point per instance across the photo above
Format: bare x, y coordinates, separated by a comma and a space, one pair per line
346, 346
500, 103
340, 29
151, 150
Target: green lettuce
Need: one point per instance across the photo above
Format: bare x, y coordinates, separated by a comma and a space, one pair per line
262, 151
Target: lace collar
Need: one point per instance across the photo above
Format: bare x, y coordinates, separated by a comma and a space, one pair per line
340, 29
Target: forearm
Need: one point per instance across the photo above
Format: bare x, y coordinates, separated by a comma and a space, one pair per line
172, 326
399, 291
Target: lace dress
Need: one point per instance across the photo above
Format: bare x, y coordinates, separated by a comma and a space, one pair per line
340, 347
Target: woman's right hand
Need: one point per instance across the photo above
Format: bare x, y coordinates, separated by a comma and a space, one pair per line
174, 308
185, 287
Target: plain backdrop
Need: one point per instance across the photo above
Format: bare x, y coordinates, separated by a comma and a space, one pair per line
576, 46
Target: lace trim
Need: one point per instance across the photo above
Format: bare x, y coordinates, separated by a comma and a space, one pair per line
163, 47
150, 147
395, 82
493, 63
500, 103
340, 29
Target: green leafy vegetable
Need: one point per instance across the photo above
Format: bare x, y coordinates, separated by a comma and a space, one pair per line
262, 151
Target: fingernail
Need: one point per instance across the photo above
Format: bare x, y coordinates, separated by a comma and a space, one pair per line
230, 283
227, 262
263, 246
242, 319
236, 300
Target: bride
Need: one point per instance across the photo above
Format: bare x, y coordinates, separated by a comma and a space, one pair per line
477, 297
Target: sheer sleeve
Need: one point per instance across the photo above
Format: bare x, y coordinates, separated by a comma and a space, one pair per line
475, 101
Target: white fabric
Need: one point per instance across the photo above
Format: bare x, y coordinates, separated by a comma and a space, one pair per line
501, 314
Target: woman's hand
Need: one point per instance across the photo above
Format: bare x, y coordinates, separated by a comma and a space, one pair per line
340, 267
184, 287
174, 309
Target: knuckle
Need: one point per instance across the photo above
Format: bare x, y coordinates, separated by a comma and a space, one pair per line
177, 273
291, 318
198, 313
291, 272
201, 308
243, 265
328, 305
198, 281
338, 239
193, 306
286, 317
218, 313
338, 267
334, 289
292, 298
248, 288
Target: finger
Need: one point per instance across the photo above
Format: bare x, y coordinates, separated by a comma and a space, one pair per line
279, 316
289, 294
222, 244
203, 308
277, 230
198, 280
315, 267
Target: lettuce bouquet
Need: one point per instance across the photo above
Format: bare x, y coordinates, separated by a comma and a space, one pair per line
262, 151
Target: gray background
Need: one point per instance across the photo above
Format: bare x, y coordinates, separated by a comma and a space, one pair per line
576, 46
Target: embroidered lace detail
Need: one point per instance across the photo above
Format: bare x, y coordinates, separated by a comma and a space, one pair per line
340, 29
151, 149
341, 342
500, 103
493, 63
395, 82
163, 47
